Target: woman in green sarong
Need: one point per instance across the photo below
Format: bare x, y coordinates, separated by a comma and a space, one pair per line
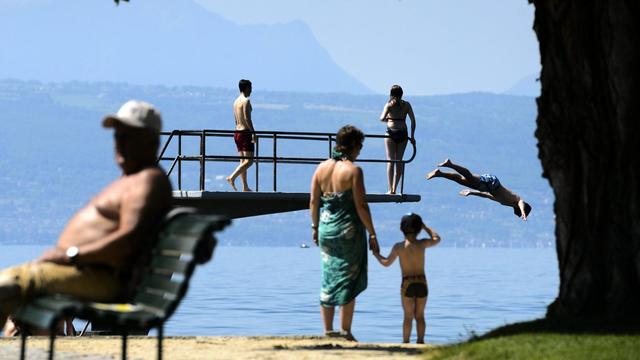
339, 229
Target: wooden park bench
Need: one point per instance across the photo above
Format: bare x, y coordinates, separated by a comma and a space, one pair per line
185, 239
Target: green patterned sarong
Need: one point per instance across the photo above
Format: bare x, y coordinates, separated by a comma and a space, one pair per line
343, 247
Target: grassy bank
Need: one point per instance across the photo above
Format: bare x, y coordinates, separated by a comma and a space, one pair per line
544, 346
537, 340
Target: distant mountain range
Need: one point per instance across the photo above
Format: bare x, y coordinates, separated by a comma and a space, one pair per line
165, 42
527, 86
56, 156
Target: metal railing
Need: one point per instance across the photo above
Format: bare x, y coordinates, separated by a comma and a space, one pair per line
274, 136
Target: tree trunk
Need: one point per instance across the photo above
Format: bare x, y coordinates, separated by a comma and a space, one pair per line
589, 145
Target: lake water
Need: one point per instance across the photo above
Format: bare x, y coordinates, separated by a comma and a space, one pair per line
274, 291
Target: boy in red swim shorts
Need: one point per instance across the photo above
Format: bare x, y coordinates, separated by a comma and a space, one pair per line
244, 135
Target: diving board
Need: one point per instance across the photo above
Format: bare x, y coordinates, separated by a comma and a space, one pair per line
244, 204
266, 162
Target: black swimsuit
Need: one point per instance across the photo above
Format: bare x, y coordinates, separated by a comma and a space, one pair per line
398, 136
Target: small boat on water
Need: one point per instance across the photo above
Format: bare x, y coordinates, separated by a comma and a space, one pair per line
304, 246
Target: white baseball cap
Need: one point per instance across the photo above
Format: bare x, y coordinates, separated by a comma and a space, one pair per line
136, 113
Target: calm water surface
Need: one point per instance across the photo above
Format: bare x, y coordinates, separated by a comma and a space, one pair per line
274, 291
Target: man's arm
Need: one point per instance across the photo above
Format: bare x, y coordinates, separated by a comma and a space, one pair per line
141, 207
386, 261
246, 110
467, 192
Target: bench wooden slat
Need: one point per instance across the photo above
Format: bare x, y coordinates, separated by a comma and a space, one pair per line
57, 303
153, 300
39, 317
194, 225
186, 243
158, 282
168, 264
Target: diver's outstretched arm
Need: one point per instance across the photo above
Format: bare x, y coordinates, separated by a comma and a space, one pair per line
467, 192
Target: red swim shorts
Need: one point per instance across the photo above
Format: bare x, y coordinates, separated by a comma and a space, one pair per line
243, 140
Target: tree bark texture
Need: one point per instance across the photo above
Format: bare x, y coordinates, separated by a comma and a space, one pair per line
589, 145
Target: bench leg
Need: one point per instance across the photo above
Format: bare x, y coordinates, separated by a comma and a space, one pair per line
160, 335
52, 339
23, 345
124, 346
84, 329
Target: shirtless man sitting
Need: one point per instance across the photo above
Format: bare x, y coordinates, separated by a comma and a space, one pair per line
101, 245
244, 135
486, 186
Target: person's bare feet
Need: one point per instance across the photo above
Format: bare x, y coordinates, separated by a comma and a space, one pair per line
445, 163
434, 173
232, 183
465, 192
247, 189
332, 333
347, 335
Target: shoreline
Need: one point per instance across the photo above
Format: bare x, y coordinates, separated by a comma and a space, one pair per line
210, 347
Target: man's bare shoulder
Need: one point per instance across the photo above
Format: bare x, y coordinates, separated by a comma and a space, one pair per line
151, 173
150, 179
241, 100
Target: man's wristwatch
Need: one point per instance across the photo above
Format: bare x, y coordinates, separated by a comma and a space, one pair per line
314, 226
72, 254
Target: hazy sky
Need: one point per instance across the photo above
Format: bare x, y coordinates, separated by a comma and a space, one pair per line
427, 46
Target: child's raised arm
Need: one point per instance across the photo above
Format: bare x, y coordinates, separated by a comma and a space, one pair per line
386, 261
434, 237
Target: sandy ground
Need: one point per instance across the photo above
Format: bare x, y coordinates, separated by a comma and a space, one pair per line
196, 348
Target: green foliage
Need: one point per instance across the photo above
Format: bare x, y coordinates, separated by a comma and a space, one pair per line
543, 346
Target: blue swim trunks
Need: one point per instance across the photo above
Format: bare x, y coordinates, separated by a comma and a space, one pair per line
488, 183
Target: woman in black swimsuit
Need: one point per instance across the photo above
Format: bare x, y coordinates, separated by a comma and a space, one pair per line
395, 114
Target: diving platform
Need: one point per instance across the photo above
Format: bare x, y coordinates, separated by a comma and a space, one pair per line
185, 149
244, 204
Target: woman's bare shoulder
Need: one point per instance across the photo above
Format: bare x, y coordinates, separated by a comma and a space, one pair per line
350, 168
324, 166
356, 169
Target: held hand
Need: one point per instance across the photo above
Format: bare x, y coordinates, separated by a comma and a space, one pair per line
54, 255
413, 140
373, 244
314, 236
